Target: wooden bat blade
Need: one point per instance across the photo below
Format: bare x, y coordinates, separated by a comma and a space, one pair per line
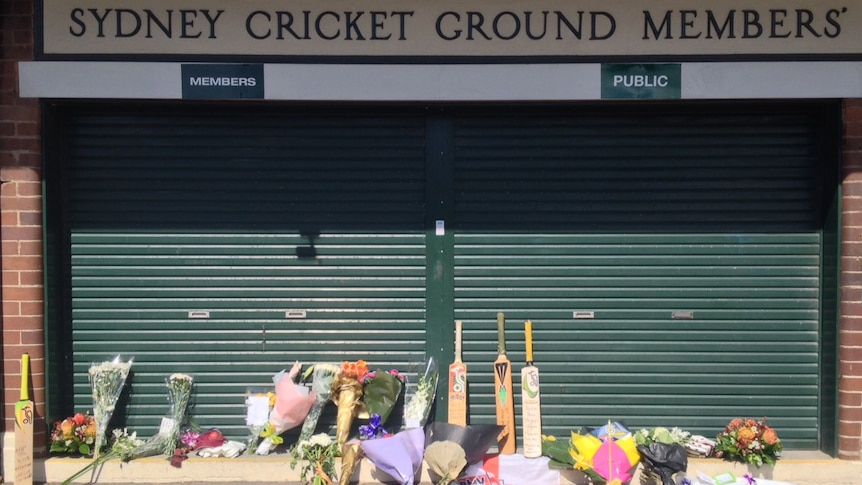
531, 408
458, 384
531, 412
504, 400
24, 428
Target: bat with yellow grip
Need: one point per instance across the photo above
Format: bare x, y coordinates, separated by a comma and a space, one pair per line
531, 412
24, 428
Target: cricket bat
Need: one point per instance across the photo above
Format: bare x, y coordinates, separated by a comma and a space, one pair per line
531, 411
458, 384
24, 428
505, 401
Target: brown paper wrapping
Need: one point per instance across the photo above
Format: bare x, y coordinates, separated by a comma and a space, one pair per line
350, 458
347, 395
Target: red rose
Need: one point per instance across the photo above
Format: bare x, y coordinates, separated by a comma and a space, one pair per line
79, 419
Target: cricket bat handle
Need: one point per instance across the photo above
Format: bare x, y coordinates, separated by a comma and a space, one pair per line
458, 327
528, 329
501, 333
25, 377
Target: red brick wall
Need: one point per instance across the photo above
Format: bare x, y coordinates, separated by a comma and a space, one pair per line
850, 351
20, 219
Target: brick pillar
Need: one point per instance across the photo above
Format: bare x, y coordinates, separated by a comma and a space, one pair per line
850, 350
20, 220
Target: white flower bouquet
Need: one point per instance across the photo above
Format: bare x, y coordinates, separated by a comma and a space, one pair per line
106, 382
179, 394
317, 458
418, 399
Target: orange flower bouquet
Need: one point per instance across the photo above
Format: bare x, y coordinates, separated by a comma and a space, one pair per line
749, 441
75, 434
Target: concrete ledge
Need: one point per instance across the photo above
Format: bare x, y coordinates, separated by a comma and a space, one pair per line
804, 469
797, 467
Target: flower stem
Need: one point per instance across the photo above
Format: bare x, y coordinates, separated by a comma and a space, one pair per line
92, 466
322, 474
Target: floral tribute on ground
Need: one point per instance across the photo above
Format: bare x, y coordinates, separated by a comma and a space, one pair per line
106, 383
317, 459
323, 377
663, 454
418, 400
749, 441
290, 408
347, 396
607, 454
74, 435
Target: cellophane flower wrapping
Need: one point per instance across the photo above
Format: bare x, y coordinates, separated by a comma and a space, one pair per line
418, 399
292, 405
380, 392
106, 382
602, 455
663, 453
179, 395
259, 404
323, 376
399, 456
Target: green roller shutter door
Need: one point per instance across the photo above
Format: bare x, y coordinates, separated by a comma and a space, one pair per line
668, 258
230, 244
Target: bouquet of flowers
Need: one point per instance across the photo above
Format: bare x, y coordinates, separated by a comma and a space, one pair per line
317, 455
381, 390
450, 448
179, 394
106, 381
418, 400
347, 396
663, 453
604, 454
292, 404
321, 386
749, 441
258, 407
399, 455
75, 434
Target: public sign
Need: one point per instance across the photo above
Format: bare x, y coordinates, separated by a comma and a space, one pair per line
641, 81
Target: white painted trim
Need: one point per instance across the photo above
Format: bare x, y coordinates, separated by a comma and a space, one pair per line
442, 82
95, 80
460, 82
777, 80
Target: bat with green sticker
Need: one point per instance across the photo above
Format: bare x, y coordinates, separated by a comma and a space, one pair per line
504, 400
